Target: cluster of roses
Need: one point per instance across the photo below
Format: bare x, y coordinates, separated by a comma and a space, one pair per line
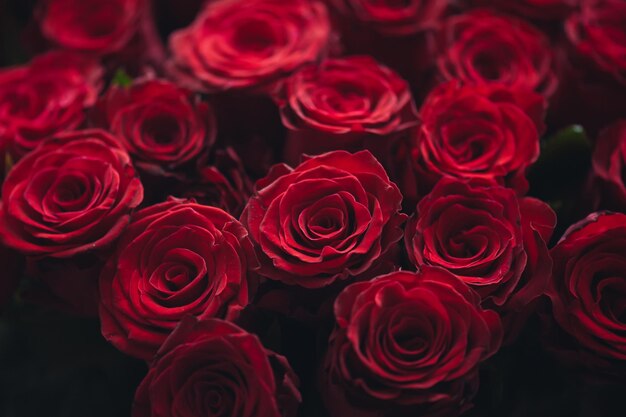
159, 199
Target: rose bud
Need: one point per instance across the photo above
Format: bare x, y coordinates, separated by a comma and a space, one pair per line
211, 367
72, 195
533, 9
480, 46
607, 182
488, 237
407, 344
332, 217
348, 104
592, 67
175, 259
237, 44
488, 132
45, 97
588, 293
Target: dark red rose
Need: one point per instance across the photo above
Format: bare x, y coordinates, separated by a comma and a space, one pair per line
598, 32
608, 175
235, 44
480, 46
535, 9
73, 194
488, 237
488, 131
213, 368
175, 259
161, 125
347, 103
407, 344
332, 217
92, 26
393, 17
45, 97
588, 290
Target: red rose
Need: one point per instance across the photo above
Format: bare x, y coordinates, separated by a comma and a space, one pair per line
598, 32
93, 26
176, 258
608, 174
161, 125
214, 368
236, 44
481, 46
535, 9
45, 97
394, 18
407, 344
333, 216
346, 103
588, 290
488, 237
73, 194
488, 132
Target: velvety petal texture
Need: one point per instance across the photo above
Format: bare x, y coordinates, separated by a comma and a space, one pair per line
73, 194
588, 289
160, 124
45, 97
488, 237
91, 26
407, 344
235, 44
211, 367
598, 31
332, 217
489, 132
481, 46
607, 186
176, 258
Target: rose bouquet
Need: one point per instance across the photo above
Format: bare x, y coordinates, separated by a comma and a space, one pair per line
313, 208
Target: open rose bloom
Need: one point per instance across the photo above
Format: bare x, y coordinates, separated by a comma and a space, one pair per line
313, 208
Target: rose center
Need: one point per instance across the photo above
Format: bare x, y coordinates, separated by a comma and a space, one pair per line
254, 36
161, 130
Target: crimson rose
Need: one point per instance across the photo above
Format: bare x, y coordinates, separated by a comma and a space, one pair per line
332, 217
598, 32
480, 46
213, 368
92, 26
607, 184
487, 236
346, 103
390, 17
407, 344
45, 97
73, 194
236, 44
176, 258
588, 290
161, 125
487, 131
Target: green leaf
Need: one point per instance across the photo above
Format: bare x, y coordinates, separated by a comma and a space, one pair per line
122, 79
